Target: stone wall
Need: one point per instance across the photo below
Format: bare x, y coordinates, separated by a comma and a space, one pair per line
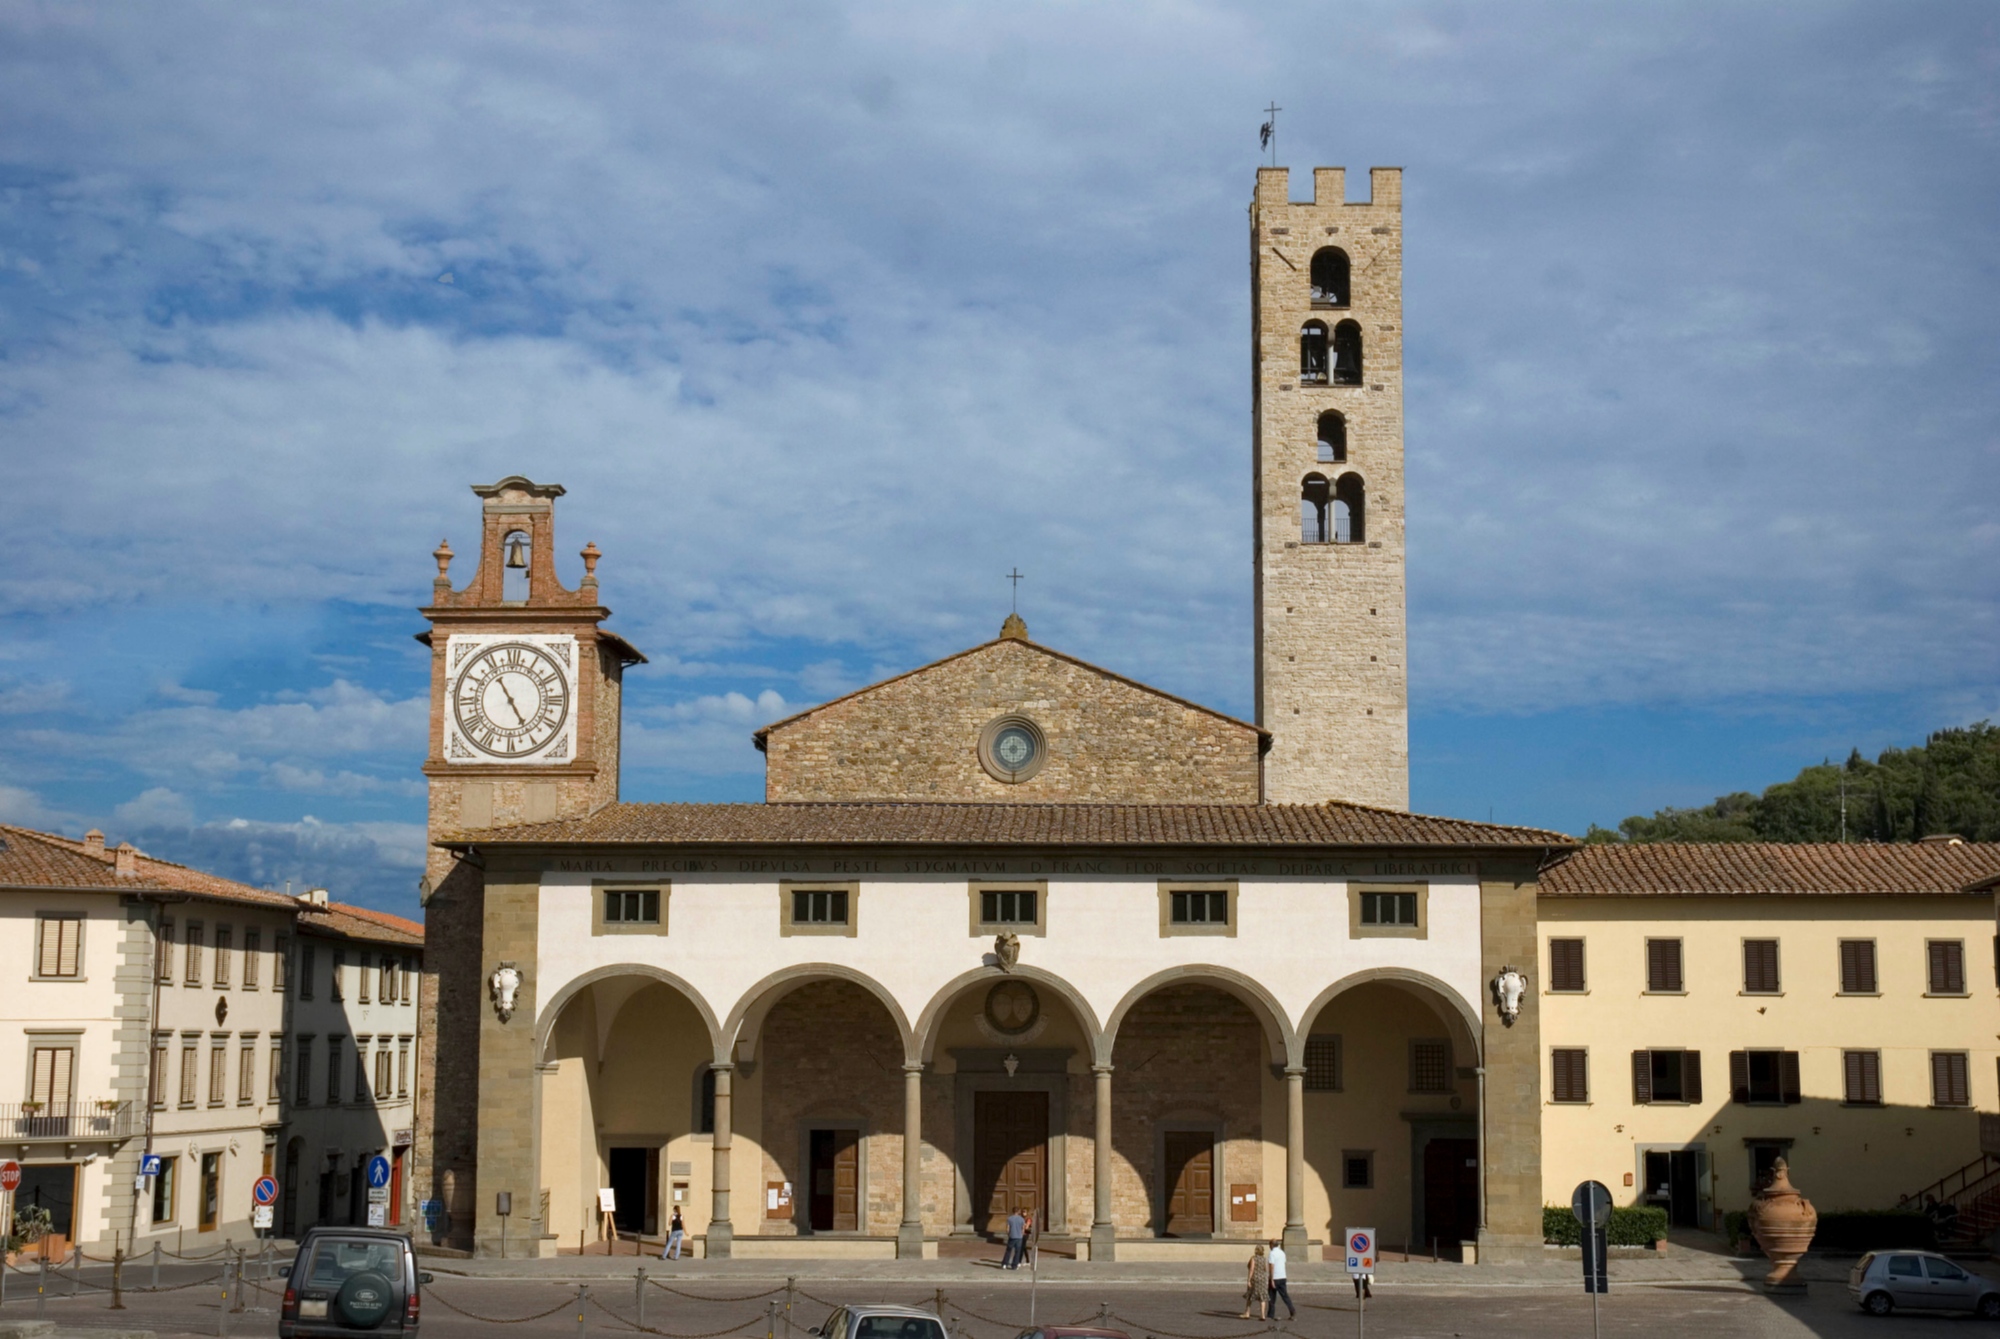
1331, 668
916, 738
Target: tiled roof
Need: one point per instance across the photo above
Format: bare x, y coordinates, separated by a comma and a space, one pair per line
896, 824
30, 859
1688, 868
352, 922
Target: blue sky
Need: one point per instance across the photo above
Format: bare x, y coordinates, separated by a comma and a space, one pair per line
827, 316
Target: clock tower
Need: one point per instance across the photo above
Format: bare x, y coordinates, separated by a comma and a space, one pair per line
525, 690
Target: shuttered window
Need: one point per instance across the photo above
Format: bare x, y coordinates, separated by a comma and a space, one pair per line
192, 975
1565, 964
305, 1071
164, 964
190, 1071
383, 1075
1760, 966
403, 1067
1663, 965
246, 1074
1323, 1063
1666, 1076
367, 966
1947, 966
1950, 1079
224, 942
277, 1071
1570, 1074
252, 942
160, 1071
281, 962
1861, 1073
55, 1068
58, 939
218, 1071
1764, 1078
1857, 967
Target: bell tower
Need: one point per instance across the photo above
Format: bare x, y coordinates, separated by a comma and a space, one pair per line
1326, 281
525, 689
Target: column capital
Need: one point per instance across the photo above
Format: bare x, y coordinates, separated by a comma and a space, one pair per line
914, 1066
1100, 1069
723, 1066
1295, 1071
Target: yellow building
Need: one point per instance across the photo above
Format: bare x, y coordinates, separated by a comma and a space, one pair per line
1709, 1008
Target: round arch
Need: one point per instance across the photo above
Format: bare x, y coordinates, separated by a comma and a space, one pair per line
545, 1025
933, 1014
1277, 1028
748, 1015
1457, 1012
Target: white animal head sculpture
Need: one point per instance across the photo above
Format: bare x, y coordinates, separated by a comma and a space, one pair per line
503, 985
1508, 989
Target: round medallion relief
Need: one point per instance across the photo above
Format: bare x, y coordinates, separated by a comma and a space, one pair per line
1012, 1007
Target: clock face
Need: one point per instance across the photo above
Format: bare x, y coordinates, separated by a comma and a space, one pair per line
510, 700
1014, 748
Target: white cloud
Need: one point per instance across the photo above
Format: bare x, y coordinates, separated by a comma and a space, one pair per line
24, 808
158, 807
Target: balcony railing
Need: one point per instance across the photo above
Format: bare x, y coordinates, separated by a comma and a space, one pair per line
81, 1118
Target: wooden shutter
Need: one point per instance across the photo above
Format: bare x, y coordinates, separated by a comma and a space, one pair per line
57, 956
1788, 1077
1739, 1076
1947, 967
1571, 1075
1663, 964
1565, 964
51, 1082
1948, 1078
1691, 1076
1642, 1077
1857, 966
1760, 966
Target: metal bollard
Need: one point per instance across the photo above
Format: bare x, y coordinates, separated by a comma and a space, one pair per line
639, 1294
76, 1273
791, 1290
771, 1319
238, 1272
156, 1266
1103, 1315
222, 1311
42, 1284
118, 1279
582, 1295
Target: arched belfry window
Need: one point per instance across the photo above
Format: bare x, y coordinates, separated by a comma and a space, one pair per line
1315, 495
516, 585
1332, 438
1350, 510
1346, 354
1312, 352
1330, 276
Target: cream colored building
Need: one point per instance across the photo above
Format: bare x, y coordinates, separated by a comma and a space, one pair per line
126, 973
1709, 1008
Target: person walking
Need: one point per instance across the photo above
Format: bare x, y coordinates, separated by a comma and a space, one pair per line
676, 1234
1017, 1232
1278, 1290
1258, 1294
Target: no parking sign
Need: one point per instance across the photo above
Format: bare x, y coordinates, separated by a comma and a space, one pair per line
1361, 1250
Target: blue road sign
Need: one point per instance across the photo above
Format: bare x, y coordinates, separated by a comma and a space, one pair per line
378, 1171
149, 1165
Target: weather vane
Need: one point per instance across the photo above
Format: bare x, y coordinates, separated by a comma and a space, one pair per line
1267, 138
1015, 576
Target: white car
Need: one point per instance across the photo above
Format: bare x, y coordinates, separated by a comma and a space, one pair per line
1886, 1281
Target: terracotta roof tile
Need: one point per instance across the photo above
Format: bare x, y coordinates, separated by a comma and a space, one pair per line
900, 824
352, 922
30, 859
1689, 868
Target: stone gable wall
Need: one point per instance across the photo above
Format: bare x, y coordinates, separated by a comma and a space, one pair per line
917, 738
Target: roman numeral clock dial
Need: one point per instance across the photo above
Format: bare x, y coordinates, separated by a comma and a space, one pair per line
511, 700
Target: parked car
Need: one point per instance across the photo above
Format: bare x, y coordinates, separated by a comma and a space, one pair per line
1886, 1281
345, 1279
879, 1322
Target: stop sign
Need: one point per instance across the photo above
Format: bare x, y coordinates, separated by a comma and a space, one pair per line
10, 1175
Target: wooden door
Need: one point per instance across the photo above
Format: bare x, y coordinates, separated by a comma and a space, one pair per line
1190, 1182
1010, 1159
836, 1180
1451, 1191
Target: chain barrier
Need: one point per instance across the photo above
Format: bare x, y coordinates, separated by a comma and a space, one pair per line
1169, 1334
698, 1297
670, 1334
1016, 1326
433, 1295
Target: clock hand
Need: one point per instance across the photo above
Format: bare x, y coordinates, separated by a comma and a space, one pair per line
520, 717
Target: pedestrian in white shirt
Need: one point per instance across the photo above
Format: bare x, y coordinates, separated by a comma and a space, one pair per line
1278, 1289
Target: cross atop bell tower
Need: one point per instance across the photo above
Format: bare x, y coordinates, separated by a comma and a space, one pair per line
1327, 454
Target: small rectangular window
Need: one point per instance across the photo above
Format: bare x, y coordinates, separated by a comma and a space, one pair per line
253, 943
1323, 1063
336, 983
305, 1070
1666, 1076
59, 940
386, 985
218, 1071
367, 965
403, 1068
160, 1059
1857, 967
211, 1190
54, 1070
190, 1071
165, 953
191, 973
224, 943
1007, 906
281, 963
163, 1191
1760, 967
1566, 964
1430, 1065
1950, 1075
1570, 1074
1357, 1169
307, 954
1862, 1075
819, 906
1200, 906
1388, 908
1663, 966
632, 906
1947, 966
361, 1092
1764, 1078
384, 1076
336, 1056
246, 1074
276, 1091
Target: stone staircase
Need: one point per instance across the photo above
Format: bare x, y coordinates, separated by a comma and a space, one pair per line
1974, 1190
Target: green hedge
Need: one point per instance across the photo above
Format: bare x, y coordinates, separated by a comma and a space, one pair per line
1857, 1230
1637, 1226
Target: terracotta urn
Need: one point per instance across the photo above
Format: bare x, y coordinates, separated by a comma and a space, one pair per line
1783, 1221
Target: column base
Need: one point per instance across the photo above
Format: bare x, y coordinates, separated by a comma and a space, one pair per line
1504, 1248
910, 1242
1295, 1242
716, 1242
1103, 1243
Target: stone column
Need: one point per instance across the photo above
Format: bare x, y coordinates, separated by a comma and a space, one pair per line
1295, 1242
910, 1235
721, 1232
1103, 1234
1511, 1094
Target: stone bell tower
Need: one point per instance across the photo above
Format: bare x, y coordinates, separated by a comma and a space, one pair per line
525, 689
1327, 455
